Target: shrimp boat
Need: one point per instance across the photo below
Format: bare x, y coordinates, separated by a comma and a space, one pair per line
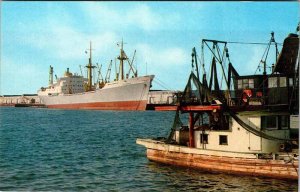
73, 91
250, 127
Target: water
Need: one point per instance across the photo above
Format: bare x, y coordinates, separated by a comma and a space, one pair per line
66, 150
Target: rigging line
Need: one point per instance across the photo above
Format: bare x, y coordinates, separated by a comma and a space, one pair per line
203, 72
261, 61
160, 84
212, 51
250, 43
163, 83
210, 68
223, 63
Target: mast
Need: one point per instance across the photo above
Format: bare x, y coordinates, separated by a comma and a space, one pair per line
51, 75
194, 55
90, 66
122, 57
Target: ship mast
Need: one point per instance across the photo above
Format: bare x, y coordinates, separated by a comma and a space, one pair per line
122, 57
51, 75
90, 66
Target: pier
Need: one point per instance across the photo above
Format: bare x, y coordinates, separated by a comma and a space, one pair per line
20, 100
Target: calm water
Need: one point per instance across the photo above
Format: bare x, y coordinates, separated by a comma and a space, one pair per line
42, 149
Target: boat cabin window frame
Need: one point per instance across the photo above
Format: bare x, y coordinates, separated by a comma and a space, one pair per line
282, 81
291, 82
269, 122
247, 83
274, 82
284, 121
203, 138
281, 121
223, 139
251, 83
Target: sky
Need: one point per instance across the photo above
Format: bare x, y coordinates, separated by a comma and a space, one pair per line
35, 35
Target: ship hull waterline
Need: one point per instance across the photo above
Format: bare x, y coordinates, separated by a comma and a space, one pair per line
121, 105
233, 165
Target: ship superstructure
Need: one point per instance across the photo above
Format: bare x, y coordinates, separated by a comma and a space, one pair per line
73, 91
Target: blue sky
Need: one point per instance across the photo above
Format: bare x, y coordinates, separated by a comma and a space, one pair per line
35, 35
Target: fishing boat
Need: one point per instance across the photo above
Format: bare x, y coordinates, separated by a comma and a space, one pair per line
247, 125
73, 91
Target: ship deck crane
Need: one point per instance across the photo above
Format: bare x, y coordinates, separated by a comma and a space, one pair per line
107, 76
100, 77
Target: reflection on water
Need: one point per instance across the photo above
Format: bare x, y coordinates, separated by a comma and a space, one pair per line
182, 179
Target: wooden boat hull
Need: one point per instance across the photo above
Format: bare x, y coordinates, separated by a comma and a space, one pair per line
187, 157
257, 167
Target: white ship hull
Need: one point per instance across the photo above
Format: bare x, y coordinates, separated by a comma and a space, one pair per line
128, 94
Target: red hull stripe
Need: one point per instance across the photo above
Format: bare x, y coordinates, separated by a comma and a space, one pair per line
119, 105
188, 108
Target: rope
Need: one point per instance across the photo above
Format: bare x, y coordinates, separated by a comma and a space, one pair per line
159, 82
250, 43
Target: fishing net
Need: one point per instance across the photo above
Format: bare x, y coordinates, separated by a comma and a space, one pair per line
177, 124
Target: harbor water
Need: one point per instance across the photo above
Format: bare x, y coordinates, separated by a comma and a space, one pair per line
68, 150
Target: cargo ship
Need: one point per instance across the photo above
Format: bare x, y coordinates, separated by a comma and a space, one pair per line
73, 91
249, 125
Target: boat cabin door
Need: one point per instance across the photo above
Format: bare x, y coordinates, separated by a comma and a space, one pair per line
254, 141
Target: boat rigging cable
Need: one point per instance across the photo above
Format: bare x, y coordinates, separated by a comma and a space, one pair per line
249, 43
161, 83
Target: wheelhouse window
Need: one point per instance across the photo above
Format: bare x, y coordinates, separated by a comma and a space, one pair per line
272, 82
282, 81
223, 140
284, 121
269, 122
291, 83
277, 82
245, 83
251, 83
204, 138
240, 84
